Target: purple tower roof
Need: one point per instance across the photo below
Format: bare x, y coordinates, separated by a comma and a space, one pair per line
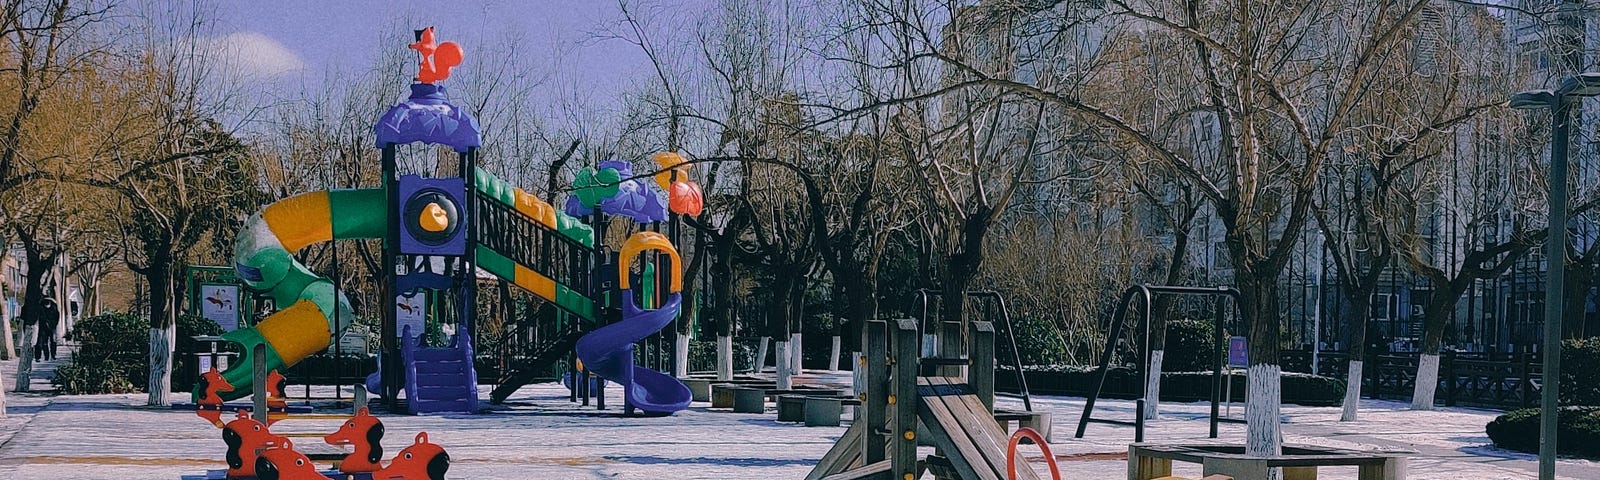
428, 117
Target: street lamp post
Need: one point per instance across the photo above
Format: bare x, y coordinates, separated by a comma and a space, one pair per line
1560, 103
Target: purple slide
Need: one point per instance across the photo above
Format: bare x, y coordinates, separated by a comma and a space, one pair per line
608, 352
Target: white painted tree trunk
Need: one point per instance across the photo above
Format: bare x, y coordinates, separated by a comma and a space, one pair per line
161, 342
1152, 387
1352, 393
796, 355
781, 355
25, 358
1427, 382
1262, 412
6, 344
724, 357
858, 378
833, 354
680, 356
761, 355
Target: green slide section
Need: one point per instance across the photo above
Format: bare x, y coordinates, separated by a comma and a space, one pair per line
263, 260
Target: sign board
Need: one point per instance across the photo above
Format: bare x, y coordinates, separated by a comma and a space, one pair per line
215, 293
411, 310
220, 303
206, 361
1238, 352
352, 342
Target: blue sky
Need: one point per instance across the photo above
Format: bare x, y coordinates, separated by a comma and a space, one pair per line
298, 41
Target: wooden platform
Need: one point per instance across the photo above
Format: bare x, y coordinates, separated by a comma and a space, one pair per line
964, 429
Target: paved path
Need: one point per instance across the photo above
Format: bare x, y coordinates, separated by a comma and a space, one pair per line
541, 435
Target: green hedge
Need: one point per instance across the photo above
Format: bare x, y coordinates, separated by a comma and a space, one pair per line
1123, 383
1580, 372
113, 351
1190, 345
1578, 430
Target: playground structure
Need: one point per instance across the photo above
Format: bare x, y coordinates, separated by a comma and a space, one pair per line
905, 394
438, 233
1148, 293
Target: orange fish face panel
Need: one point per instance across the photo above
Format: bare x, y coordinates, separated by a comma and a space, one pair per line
364, 433
420, 461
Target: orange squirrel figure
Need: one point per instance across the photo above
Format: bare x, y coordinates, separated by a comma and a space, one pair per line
436, 59
282, 462
210, 405
245, 436
420, 461
364, 433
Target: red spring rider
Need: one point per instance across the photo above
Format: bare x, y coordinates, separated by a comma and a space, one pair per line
210, 405
364, 433
275, 383
284, 463
420, 461
245, 436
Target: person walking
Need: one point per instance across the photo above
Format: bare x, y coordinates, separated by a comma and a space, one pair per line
50, 316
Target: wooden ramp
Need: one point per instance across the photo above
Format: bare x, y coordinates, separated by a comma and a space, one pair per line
963, 428
844, 456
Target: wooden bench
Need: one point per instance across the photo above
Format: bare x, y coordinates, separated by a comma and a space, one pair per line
1299, 462
826, 411
700, 388
754, 399
722, 393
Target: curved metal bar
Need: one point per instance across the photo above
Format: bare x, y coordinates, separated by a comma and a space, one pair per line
1011, 453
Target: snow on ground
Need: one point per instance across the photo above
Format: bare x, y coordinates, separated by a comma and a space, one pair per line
541, 435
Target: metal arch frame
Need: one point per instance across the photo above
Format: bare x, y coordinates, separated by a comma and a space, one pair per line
1119, 320
1005, 314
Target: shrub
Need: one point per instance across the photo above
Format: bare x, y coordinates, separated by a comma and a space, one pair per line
1123, 383
114, 349
110, 357
1580, 372
1191, 345
1578, 429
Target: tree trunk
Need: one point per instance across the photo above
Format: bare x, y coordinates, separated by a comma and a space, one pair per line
953, 307
680, 356
761, 354
780, 359
1263, 406
1436, 317
724, 357
722, 316
33, 296
1152, 385
25, 361
797, 307
7, 344
163, 329
1161, 312
1356, 318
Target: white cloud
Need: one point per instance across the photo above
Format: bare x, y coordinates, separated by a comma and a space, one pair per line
253, 55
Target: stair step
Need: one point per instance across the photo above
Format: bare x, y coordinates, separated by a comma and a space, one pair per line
440, 368
430, 406
438, 354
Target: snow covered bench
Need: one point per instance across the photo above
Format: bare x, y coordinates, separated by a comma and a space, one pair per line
1299, 462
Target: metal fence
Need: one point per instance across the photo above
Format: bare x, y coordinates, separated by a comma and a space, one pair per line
1492, 380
